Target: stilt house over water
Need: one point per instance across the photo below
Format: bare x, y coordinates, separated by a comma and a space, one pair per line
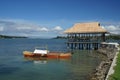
85, 36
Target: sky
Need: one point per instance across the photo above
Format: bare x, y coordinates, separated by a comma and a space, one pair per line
49, 18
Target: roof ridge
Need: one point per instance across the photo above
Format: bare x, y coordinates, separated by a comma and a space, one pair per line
87, 23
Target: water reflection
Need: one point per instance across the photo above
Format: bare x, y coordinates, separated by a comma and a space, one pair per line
40, 62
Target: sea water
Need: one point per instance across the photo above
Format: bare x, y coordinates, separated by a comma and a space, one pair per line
13, 65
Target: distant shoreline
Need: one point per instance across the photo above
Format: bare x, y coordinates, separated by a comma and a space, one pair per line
60, 37
11, 37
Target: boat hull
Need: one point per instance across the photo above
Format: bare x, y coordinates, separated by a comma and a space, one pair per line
52, 55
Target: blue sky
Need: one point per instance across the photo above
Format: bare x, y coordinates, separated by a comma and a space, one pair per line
49, 18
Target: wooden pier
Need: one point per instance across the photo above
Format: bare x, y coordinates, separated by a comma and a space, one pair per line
83, 45
85, 36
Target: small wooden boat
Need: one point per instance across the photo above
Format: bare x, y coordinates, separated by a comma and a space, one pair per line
46, 54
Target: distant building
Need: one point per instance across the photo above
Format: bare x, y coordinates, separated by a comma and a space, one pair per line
85, 36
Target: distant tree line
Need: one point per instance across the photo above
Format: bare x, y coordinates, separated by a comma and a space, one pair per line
113, 36
5, 36
60, 37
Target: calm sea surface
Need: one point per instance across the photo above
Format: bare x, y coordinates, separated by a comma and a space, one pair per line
13, 66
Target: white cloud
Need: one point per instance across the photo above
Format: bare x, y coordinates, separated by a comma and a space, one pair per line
111, 27
115, 29
1, 28
16, 28
58, 28
23, 28
8, 27
44, 29
32, 27
103, 27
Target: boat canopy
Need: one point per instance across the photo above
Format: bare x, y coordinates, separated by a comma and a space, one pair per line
37, 51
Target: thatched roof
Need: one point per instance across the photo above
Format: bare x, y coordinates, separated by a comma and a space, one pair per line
93, 27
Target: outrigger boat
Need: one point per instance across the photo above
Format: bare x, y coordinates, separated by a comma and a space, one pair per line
40, 53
